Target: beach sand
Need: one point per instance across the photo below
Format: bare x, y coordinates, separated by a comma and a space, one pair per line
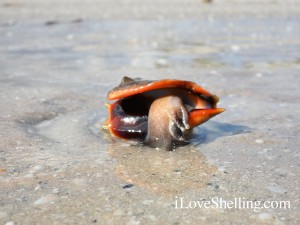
59, 59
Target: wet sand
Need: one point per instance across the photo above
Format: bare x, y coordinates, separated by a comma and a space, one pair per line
59, 59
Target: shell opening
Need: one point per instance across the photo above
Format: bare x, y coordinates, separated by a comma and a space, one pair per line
129, 116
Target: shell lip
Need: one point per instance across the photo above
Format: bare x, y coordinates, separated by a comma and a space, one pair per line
133, 87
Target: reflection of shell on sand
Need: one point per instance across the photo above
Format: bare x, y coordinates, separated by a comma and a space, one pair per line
164, 172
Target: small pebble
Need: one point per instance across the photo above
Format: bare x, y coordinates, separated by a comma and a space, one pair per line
127, 186
38, 187
36, 169
162, 62
55, 191
277, 189
64, 197
51, 22
265, 216
45, 199
235, 48
28, 175
70, 37
259, 141
213, 186
82, 214
147, 202
10, 223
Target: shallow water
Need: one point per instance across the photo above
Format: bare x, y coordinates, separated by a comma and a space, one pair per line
58, 165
